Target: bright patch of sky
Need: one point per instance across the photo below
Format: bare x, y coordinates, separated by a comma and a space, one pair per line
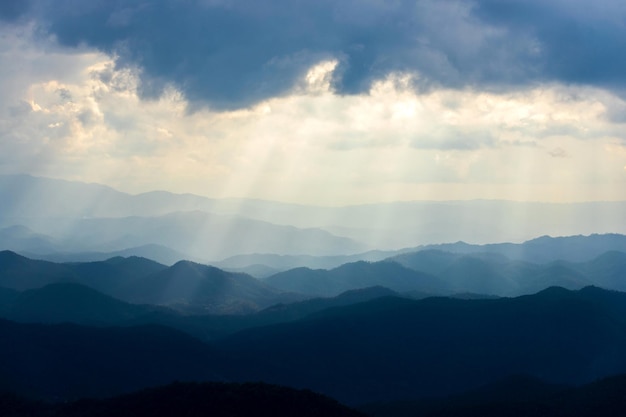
82, 111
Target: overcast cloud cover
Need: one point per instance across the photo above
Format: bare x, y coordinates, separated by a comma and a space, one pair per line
328, 102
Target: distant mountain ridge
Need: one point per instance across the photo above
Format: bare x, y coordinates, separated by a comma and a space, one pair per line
186, 285
422, 273
52, 207
493, 273
70, 303
158, 253
544, 249
356, 275
76, 217
78, 304
20, 273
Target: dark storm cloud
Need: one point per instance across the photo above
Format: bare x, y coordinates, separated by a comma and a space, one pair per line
582, 41
11, 10
231, 54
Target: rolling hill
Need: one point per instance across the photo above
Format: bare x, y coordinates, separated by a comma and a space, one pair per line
392, 348
383, 349
67, 361
20, 273
191, 400
208, 289
356, 275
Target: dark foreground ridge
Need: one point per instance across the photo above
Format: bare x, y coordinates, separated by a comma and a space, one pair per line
189, 400
384, 349
518, 397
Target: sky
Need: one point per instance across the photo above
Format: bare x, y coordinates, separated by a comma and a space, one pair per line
327, 102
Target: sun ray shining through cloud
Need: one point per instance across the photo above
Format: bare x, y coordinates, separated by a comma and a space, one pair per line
73, 111
272, 151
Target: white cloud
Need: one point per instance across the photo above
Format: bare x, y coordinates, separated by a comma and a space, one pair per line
74, 115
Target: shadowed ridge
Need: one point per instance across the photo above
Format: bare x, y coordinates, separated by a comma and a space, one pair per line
112, 275
9, 258
355, 275
204, 288
294, 311
70, 302
21, 273
515, 389
67, 361
609, 270
191, 399
440, 345
518, 397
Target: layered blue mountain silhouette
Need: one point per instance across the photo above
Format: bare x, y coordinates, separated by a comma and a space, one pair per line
116, 297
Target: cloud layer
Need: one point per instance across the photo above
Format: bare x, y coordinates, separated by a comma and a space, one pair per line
319, 101
233, 54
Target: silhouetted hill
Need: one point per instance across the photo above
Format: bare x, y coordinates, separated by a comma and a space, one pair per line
430, 261
190, 286
7, 295
282, 263
69, 361
20, 273
114, 274
423, 273
205, 287
353, 276
19, 238
288, 312
191, 399
211, 327
480, 273
256, 270
157, 253
572, 248
75, 303
519, 397
493, 273
545, 249
608, 270
513, 391
384, 349
72, 303
12, 405
399, 348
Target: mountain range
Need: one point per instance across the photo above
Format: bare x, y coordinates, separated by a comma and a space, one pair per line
518, 396
104, 293
189, 399
65, 216
190, 286
412, 348
387, 348
186, 285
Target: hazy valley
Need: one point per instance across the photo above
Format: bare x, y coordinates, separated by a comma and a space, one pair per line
106, 295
